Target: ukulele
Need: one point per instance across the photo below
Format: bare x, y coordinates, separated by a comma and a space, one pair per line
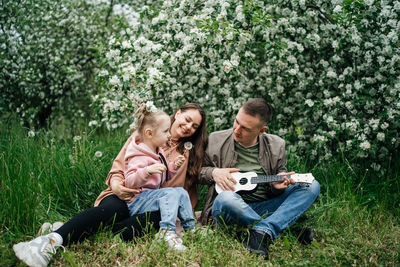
247, 181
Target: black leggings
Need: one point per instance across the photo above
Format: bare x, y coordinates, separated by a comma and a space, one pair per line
111, 211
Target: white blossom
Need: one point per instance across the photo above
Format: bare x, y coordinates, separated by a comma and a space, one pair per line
115, 80
150, 107
369, 2
384, 126
374, 123
309, 102
93, 123
227, 66
126, 44
365, 145
380, 136
331, 74
337, 9
349, 143
103, 73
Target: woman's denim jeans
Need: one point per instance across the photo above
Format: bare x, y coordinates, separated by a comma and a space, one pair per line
271, 216
173, 202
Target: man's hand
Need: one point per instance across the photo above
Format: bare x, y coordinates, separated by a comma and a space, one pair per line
122, 192
285, 183
223, 178
156, 168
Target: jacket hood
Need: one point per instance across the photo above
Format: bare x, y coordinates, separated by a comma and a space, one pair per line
141, 149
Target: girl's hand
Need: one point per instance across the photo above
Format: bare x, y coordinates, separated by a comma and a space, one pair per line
156, 168
122, 192
179, 160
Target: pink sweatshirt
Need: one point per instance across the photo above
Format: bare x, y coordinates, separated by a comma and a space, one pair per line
138, 156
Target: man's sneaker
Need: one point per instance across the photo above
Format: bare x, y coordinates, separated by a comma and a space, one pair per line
305, 236
37, 252
47, 227
257, 242
172, 240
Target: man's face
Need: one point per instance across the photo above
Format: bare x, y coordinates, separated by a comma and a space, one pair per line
247, 128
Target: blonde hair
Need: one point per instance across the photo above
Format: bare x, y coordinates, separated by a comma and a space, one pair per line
147, 118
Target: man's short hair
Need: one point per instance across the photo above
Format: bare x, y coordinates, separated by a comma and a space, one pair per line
258, 107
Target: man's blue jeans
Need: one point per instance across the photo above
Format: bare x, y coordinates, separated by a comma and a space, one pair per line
173, 202
271, 216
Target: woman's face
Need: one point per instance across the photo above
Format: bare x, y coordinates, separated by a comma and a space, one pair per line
185, 124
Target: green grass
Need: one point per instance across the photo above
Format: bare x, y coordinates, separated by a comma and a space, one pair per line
50, 177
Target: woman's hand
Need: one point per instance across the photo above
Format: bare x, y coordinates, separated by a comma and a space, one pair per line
285, 183
179, 160
156, 168
122, 192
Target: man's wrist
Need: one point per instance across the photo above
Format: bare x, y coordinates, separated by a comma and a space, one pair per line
213, 173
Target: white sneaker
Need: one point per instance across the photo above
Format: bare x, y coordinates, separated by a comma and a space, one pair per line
37, 252
47, 227
172, 240
56, 225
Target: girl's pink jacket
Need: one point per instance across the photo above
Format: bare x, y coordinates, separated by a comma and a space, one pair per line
138, 156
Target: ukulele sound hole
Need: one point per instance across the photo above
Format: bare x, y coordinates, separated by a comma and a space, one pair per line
243, 181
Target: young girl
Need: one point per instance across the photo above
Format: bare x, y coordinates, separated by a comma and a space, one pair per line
146, 169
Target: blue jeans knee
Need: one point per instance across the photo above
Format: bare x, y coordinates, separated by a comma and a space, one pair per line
315, 189
228, 204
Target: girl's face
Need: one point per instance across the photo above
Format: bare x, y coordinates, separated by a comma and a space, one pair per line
161, 133
186, 123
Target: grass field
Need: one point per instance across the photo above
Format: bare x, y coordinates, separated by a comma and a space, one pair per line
55, 174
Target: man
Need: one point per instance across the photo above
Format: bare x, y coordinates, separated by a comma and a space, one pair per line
271, 207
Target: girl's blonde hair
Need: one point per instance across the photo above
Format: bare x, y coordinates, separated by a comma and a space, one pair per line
147, 118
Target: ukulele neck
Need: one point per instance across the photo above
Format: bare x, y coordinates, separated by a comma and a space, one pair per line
268, 179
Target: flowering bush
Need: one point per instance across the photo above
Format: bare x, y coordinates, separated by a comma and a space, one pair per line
47, 56
330, 68
182, 52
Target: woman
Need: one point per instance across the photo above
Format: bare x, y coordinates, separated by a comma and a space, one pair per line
188, 124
